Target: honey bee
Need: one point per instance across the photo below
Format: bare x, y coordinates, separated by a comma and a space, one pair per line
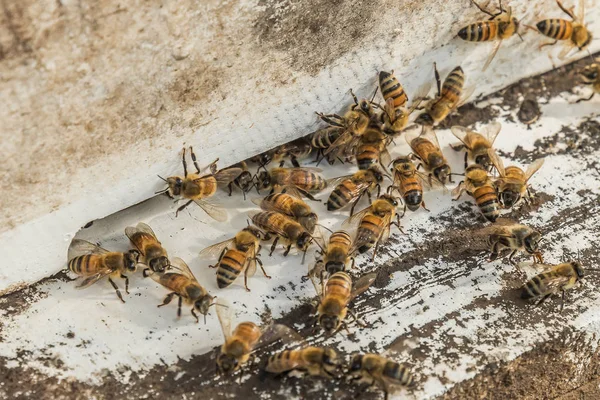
374, 224
553, 279
290, 204
500, 26
93, 263
512, 183
336, 295
284, 228
244, 181
336, 255
449, 97
591, 76
529, 111
316, 361
371, 149
477, 144
236, 255
180, 280
425, 147
306, 180
295, 151
479, 185
506, 234
196, 188
152, 254
409, 183
561, 29
322, 139
379, 370
353, 187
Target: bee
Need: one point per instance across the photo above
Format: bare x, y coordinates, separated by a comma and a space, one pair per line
289, 203
295, 151
591, 76
236, 255
374, 224
322, 139
574, 31
336, 295
93, 263
555, 278
449, 97
500, 26
336, 255
180, 280
477, 144
152, 254
512, 183
371, 149
425, 147
244, 181
381, 371
409, 183
506, 234
196, 188
479, 185
391, 88
317, 361
282, 227
529, 112
306, 180
353, 187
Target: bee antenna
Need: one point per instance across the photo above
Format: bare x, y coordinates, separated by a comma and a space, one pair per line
162, 178
374, 93
323, 226
520, 37
162, 191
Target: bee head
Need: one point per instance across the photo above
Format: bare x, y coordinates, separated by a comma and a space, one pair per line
484, 161
265, 158
303, 241
226, 364
254, 231
329, 322
309, 222
390, 199
175, 185
330, 359
532, 241
244, 181
442, 173
159, 264
377, 174
590, 73
508, 198
578, 269
263, 180
203, 304
334, 266
356, 363
131, 260
365, 107
424, 119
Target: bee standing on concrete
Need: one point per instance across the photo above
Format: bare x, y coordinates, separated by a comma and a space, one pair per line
152, 254
479, 185
409, 183
244, 181
316, 361
553, 279
529, 111
395, 115
381, 371
284, 228
500, 26
290, 203
336, 255
506, 234
591, 76
353, 187
477, 144
425, 146
372, 147
93, 263
294, 151
306, 180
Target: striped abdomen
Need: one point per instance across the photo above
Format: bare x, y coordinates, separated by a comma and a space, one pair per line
411, 191
339, 239
324, 138
453, 85
482, 31
302, 178
342, 194
536, 286
367, 154
86, 265
339, 285
272, 221
556, 28
286, 204
286, 360
369, 230
487, 201
230, 267
196, 187
243, 339
397, 372
391, 88
176, 282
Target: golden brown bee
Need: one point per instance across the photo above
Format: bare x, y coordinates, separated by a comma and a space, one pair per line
449, 97
379, 370
180, 280
196, 188
316, 361
500, 26
553, 279
506, 234
336, 295
284, 228
153, 255
477, 144
244, 181
512, 183
479, 185
290, 203
93, 263
371, 149
374, 224
306, 180
409, 183
561, 29
294, 151
426, 147
591, 76
236, 255
336, 255
353, 187
322, 139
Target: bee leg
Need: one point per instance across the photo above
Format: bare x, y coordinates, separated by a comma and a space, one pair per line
547, 44
184, 163
355, 319
466, 157
219, 260
287, 250
145, 272
438, 80
179, 307
167, 299
586, 98
126, 282
258, 260
357, 200
114, 285
282, 163
195, 316
422, 205
562, 300
484, 10
274, 245
543, 299
194, 159
295, 162
510, 258
230, 187
307, 194
182, 207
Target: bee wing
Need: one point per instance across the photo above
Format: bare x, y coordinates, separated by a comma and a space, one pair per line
250, 263
429, 134
182, 268
275, 332
336, 181
308, 169
462, 134
420, 96
466, 95
555, 282
497, 161
425, 181
258, 201
581, 13
227, 175
533, 167
543, 267
497, 44
214, 211
491, 131
389, 108
502, 227
362, 284
272, 228
342, 140
138, 242
458, 190
79, 247
385, 158
292, 190
354, 220
411, 133
224, 313
90, 280
215, 249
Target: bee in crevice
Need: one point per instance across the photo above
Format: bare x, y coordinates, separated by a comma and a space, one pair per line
236, 255
553, 279
426, 148
590, 75
477, 144
180, 280
529, 111
244, 181
290, 203
336, 255
371, 148
512, 184
322, 139
573, 31
500, 26
506, 234
93, 263
353, 187
449, 97
316, 361
381, 371
195, 188
409, 182
374, 224
305, 180
335, 297
479, 185
294, 151
152, 254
